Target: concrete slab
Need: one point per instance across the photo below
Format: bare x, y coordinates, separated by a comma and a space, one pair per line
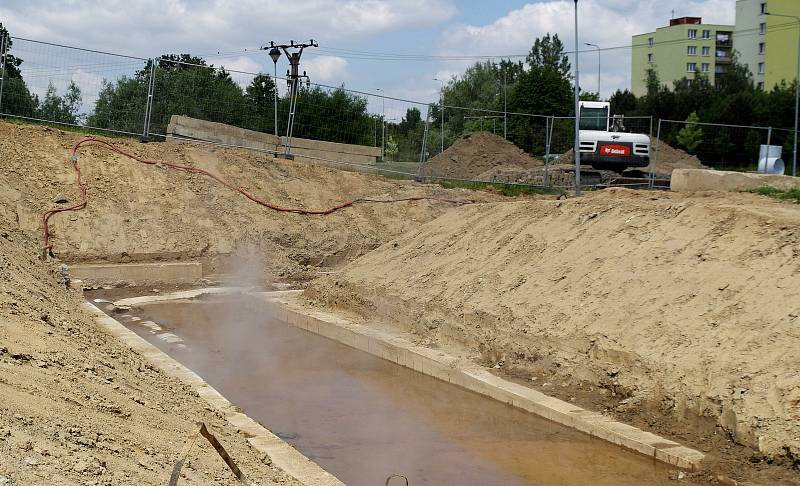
140, 273
693, 180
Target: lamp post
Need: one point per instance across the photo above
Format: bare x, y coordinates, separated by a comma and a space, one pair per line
275, 54
577, 146
441, 107
796, 89
383, 125
598, 67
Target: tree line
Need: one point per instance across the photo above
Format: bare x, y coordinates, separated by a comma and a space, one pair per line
187, 85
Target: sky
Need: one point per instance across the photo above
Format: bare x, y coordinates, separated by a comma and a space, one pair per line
351, 32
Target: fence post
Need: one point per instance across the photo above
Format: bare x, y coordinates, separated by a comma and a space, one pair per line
424, 145
2, 68
651, 126
148, 109
655, 157
548, 137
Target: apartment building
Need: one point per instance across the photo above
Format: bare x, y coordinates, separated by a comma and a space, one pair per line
682, 49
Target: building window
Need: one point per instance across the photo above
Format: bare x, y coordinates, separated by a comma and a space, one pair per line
693, 33
760, 85
706, 51
722, 53
650, 58
763, 8
706, 34
762, 29
762, 47
650, 41
691, 50
719, 69
691, 67
704, 67
761, 68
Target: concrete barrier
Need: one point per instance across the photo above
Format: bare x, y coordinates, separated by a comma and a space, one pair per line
305, 149
183, 126
691, 180
140, 273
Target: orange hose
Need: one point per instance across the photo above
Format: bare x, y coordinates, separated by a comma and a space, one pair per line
194, 170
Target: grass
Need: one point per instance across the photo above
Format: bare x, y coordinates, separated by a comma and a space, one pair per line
508, 190
791, 195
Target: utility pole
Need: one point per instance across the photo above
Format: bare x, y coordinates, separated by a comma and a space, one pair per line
441, 109
577, 147
383, 125
598, 67
505, 102
293, 80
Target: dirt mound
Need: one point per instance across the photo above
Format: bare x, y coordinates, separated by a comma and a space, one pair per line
475, 153
141, 213
683, 308
670, 158
78, 407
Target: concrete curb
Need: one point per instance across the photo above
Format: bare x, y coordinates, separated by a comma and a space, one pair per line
443, 366
283, 455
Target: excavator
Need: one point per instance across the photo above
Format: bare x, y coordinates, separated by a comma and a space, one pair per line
604, 143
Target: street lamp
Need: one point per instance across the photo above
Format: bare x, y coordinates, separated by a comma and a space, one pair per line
796, 89
441, 106
577, 147
383, 125
275, 54
598, 67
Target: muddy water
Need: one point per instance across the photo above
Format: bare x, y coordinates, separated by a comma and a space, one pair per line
362, 418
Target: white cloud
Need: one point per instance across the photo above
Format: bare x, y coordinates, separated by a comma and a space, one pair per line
325, 69
608, 23
149, 27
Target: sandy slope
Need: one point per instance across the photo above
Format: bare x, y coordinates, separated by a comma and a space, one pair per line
686, 306
79, 408
139, 212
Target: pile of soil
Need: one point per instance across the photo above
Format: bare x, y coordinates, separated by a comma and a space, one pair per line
477, 152
683, 308
670, 158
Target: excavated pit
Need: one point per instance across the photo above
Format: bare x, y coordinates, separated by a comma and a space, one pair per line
363, 418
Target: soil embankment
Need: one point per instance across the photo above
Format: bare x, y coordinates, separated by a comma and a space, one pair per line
477, 152
678, 313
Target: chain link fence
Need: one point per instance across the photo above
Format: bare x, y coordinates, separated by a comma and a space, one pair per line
720, 146
137, 96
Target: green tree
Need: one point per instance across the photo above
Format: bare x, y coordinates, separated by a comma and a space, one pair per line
64, 109
548, 52
17, 98
259, 98
691, 135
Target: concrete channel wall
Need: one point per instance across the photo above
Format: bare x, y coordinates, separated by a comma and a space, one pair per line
137, 273
303, 149
443, 366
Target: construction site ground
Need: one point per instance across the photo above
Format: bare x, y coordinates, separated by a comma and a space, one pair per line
677, 313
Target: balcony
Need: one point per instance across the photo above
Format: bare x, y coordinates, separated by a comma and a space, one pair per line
724, 39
